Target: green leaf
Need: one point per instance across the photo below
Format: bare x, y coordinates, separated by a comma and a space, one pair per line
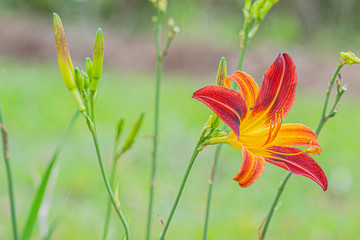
32, 217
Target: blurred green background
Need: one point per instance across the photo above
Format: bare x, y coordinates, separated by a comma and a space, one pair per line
37, 108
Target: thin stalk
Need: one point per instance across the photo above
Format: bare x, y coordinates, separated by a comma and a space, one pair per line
42, 188
181, 188
6, 156
159, 65
322, 121
108, 186
208, 202
112, 179
244, 43
323, 115
274, 204
243, 47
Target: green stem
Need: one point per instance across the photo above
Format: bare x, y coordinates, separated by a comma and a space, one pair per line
274, 204
112, 179
244, 43
6, 156
323, 115
42, 188
181, 188
243, 47
108, 186
159, 65
322, 121
208, 202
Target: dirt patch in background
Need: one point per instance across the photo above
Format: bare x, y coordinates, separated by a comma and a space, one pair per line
29, 38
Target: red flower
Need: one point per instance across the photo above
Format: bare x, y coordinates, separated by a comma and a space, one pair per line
255, 118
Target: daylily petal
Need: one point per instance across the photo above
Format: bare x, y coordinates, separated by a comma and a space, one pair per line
251, 169
277, 91
247, 86
228, 104
295, 134
297, 162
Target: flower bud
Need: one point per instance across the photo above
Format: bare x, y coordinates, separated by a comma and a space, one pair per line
349, 58
98, 58
79, 79
221, 74
119, 128
88, 66
131, 138
64, 59
162, 5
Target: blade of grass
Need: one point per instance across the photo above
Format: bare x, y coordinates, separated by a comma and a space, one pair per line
41, 190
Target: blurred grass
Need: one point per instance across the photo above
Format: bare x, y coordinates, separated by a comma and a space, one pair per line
37, 108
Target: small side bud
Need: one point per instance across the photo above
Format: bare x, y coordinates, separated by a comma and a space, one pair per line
88, 66
64, 59
222, 72
131, 138
86, 82
98, 58
266, 8
116, 196
349, 58
79, 79
162, 5
119, 128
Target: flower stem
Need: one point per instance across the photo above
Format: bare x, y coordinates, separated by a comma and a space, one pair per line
243, 47
322, 121
211, 180
274, 204
6, 156
112, 179
159, 65
323, 118
244, 43
108, 186
181, 188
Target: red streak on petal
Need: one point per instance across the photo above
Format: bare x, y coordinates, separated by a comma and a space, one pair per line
228, 104
297, 162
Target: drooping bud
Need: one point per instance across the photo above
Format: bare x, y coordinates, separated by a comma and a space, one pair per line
64, 59
349, 58
131, 138
221, 73
98, 58
79, 79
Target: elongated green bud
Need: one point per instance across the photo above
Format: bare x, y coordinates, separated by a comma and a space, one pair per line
222, 72
64, 59
119, 128
98, 58
131, 138
79, 79
88, 65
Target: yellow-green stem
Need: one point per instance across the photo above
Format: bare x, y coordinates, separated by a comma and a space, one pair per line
159, 64
181, 188
9, 178
108, 186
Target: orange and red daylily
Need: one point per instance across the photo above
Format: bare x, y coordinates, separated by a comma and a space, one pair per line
255, 117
